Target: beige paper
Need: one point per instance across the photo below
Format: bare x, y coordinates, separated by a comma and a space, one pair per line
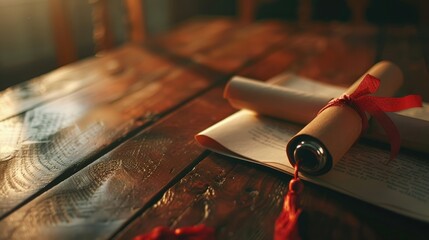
276, 101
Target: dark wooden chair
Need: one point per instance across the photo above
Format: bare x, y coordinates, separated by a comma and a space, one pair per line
102, 33
307, 9
248, 9
103, 37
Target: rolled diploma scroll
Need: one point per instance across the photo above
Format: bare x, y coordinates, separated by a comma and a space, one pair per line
322, 142
336, 128
273, 100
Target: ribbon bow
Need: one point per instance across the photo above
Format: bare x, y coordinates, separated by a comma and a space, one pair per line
362, 102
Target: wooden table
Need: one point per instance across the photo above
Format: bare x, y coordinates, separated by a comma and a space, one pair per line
104, 148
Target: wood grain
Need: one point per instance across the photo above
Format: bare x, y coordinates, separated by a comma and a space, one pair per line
196, 35
66, 80
63, 134
226, 46
71, 80
241, 46
68, 133
240, 200
94, 202
335, 53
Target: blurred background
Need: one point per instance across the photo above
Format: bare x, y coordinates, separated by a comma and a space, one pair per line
27, 47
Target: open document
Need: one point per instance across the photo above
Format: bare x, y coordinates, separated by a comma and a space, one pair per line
364, 172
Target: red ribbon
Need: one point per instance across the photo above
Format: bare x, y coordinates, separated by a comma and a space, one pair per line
362, 102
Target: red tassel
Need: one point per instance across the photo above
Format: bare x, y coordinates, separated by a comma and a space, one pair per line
198, 232
286, 226
287, 223
158, 233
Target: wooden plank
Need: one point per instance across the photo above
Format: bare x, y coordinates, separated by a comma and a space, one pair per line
244, 44
242, 200
196, 35
335, 53
339, 55
51, 139
223, 50
232, 48
221, 46
66, 80
94, 202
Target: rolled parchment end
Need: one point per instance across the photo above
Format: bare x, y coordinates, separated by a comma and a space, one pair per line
337, 128
272, 100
